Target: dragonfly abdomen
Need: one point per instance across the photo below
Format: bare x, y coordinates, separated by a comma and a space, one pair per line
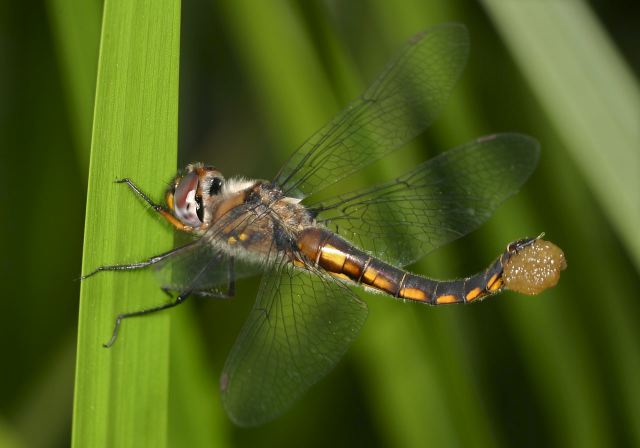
470, 289
341, 259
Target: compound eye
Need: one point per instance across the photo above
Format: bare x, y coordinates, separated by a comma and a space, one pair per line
215, 187
187, 205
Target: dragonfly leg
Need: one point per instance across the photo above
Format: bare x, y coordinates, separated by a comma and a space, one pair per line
175, 222
178, 300
139, 265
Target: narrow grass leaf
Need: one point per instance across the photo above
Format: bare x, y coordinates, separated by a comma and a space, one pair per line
121, 394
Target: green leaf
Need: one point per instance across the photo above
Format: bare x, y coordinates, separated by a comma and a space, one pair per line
121, 394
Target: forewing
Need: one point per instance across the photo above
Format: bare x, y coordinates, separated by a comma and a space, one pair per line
439, 201
400, 104
301, 325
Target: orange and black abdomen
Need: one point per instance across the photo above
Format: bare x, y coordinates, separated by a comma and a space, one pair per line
341, 259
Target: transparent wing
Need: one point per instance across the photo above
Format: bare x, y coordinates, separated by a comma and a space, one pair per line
301, 325
400, 104
438, 202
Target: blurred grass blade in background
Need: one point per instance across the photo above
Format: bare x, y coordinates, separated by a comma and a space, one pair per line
76, 28
121, 394
589, 94
592, 99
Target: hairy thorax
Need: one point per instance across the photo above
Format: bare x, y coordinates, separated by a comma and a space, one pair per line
255, 219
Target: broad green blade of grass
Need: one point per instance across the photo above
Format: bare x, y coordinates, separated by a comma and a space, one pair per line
589, 94
121, 394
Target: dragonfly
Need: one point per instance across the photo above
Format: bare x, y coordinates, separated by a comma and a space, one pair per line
316, 253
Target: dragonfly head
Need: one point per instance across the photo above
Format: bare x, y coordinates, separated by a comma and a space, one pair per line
190, 193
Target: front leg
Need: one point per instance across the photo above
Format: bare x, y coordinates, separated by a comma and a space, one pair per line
175, 222
141, 264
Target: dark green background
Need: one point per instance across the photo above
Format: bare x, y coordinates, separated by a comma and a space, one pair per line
535, 371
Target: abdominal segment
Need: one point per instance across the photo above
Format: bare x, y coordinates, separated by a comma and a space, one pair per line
341, 259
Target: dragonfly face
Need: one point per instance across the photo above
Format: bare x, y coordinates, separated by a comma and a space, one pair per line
313, 254
194, 192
